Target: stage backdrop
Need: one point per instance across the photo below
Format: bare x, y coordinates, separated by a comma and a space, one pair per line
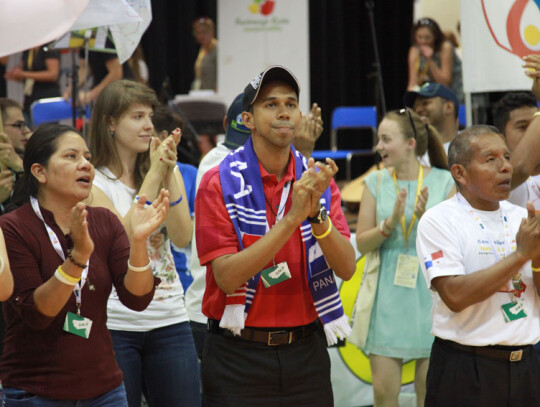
495, 35
254, 34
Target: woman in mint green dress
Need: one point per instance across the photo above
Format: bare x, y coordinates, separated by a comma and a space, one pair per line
394, 200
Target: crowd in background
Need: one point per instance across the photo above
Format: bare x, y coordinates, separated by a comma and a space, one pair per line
116, 213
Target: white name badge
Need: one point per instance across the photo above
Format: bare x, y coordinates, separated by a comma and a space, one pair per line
406, 271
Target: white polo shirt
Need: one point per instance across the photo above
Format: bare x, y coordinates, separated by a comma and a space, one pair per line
450, 242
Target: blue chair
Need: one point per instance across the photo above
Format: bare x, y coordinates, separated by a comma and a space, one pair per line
462, 116
349, 117
52, 110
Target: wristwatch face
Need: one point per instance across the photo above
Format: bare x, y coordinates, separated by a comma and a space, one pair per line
320, 218
322, 214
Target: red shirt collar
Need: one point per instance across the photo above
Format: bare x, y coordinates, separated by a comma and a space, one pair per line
272, 179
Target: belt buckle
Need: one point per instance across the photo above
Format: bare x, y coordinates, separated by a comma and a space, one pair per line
516, 355
269, 342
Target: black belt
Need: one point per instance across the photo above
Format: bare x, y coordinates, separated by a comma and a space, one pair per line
270, 337
512, 354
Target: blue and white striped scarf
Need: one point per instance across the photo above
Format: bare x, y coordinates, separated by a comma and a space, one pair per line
243, 193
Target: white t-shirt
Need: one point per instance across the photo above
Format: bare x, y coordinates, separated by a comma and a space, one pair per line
528, 191
167, 307
452, 241
195, 292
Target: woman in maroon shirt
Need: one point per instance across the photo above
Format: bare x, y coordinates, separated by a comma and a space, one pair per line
65, 258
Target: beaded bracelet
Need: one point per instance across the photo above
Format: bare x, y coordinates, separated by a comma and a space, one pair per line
75, 262
325, 233
65, 278
139, 269
177, 202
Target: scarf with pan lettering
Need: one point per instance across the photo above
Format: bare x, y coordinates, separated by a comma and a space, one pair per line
243, 193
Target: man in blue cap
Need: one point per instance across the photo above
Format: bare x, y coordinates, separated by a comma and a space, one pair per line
437, 105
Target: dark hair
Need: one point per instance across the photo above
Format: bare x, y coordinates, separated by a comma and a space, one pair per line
6, 103
112, 103
204, 21
438, 35
39, 149
510, 101
165, 119
460, 151
427, 137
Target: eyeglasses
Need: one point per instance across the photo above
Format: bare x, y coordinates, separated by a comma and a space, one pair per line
402, 111
21, 125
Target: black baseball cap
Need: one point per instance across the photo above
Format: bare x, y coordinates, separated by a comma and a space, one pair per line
273, 73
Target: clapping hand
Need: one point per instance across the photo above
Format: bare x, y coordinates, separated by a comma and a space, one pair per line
528, 236
426, 51
6, 184
8, 156
317, 179
163, 154
309, 130
399, 210
83, 245
532, 70
147, 218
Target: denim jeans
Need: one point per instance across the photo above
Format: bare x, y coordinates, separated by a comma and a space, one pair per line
162, 363
20, 398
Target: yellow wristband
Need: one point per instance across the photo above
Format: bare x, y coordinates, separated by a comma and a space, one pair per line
535, 269
65, 277
325, 233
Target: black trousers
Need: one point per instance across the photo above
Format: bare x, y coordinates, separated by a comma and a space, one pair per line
239, 373
459, 378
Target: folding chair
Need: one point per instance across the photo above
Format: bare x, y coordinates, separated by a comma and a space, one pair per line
349, 117
53, 110
204, 115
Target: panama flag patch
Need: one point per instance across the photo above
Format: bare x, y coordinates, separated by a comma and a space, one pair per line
434, 259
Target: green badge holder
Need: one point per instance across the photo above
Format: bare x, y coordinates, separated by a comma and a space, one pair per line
275, 274
77, 325
513, 311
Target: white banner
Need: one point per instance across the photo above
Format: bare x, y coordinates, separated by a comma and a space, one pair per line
26, 24
254, 34
495, 35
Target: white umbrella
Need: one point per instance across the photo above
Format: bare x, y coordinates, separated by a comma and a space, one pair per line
25, 24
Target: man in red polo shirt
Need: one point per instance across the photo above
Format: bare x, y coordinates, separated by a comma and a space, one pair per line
271, 233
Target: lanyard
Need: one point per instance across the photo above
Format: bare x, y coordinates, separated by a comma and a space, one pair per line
517, 284
58, 248
284, 196
470, 210
407, 232
279, 215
